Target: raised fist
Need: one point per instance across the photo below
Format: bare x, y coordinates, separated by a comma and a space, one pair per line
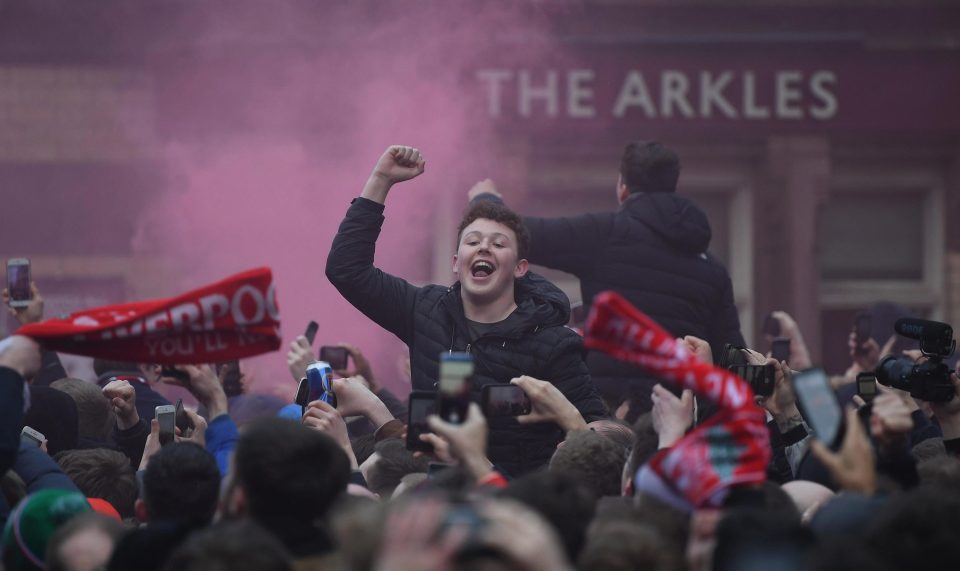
399, 163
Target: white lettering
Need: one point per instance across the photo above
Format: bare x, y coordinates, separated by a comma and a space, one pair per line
580, 96
634, 93
213, 307
185, 315
673, 90
828, 100
237, 305
272, 308
711, 93
494, 79
527, 93
750, 108
156, 321
789, 95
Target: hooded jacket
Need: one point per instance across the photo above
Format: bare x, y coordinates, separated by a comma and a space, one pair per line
532, 341
653, 252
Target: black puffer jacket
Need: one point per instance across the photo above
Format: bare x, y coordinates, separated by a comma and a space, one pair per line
653, 252
430, 321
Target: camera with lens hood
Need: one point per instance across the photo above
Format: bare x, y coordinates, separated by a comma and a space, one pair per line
930, 379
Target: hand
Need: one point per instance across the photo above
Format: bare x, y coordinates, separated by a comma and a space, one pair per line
890, 420
700, 348
548, 405
299, 358
32, 313
323, 417
948, 413
397, 164
198, 435
782, 403
152, 445
799, 355
854, 466
869, 357
468, 441
441, 449
123, 399
204, 386
410, 541
485, 186
361, 367
672, 416
22, 354
354, 398
522, 536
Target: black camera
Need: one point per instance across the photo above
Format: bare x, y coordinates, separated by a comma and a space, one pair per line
930, 380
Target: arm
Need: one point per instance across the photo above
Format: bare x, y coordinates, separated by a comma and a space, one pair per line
39, 472
725, 326
385, 299
19, 359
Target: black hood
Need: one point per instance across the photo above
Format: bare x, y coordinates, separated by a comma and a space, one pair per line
674, 218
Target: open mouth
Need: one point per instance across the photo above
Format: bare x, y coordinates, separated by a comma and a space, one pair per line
482, 269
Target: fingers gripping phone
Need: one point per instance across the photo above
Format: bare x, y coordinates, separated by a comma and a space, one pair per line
18, 282
780, 349
819, 406
504, 400
32, 436
422, 405
336, 356
762, 378
453, 396
867, 386
166, 417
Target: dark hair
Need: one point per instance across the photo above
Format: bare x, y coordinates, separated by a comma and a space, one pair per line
918, 530
102, 473
182, 482
776, 539
593, 460
231, 546
110, 527
942, 471
648, 166
288, 470
96, 417
561, 500
489, 210
394, 462
645, 445
624, 545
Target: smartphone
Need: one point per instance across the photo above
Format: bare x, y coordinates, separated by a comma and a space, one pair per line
336, 356
731, 355
18, 282
861, 330
867, 386
453, 396
762, 378
182, 421
320, 383
32, 436
311, 332
229, 375
780, 349
180, 376
771, 326
422, 404
504, 400
818, 404
166, 416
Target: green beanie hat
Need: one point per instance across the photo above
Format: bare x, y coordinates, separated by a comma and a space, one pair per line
32, 524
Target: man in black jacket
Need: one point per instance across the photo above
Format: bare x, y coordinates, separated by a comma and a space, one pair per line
510, 321
652, 250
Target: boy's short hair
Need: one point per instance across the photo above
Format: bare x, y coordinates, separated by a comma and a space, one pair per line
497, 212
648, 166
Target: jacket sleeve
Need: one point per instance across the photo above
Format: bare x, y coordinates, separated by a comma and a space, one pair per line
568, 372
568, 244
725, 326
11, 416
386, 299
39, 472
131, 441
221, 439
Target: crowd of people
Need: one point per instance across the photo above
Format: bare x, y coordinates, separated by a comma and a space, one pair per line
670, 462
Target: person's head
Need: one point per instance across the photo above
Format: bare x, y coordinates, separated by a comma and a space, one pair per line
102, 473
181, 482
84, 543
34, 521
616, 430
593, 460
919, 530
105, 367
624, 545
234, 545
647, 166
940, 471
491, 251
54, 414
388, 464
561, 500
95, 415
285, 471
771, 538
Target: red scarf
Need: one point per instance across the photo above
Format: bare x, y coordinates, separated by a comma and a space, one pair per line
733, 448
233, 318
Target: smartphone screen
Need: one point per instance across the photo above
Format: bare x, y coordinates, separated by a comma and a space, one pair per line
867, 386
780, 349
819, 404
422, 405
454, 394
504, 400
311, 332
166, 416
762, 378
18, 280
336, 356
